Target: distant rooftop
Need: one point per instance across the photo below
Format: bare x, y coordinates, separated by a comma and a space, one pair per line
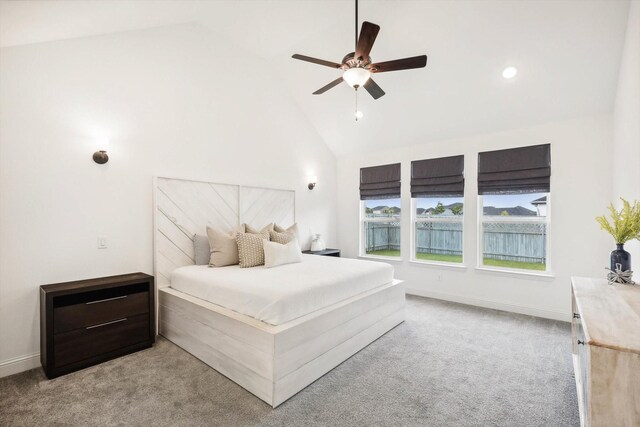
517, 211
540, 201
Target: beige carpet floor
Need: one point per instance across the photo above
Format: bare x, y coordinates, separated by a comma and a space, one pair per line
447, 365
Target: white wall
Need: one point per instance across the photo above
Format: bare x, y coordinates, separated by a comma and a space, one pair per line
626, 124
175, 101
580, 190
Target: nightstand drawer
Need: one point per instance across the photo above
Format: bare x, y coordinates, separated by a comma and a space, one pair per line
90, 341
98, 307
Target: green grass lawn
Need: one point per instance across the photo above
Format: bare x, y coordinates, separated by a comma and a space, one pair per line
515, 264
458, 259
386, 252
426, 257
440, 257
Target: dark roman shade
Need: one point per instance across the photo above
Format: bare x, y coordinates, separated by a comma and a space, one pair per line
516, 170
380, 182
438, 177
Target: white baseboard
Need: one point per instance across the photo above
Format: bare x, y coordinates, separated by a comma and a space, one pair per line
19, 364
496, 305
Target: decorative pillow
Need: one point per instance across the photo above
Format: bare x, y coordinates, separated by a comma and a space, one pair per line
293, 229
223, 247
251, 248
277, 254
201, 249
266, 229
282, 238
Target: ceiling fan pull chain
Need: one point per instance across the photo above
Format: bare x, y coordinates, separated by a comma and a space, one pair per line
356, 112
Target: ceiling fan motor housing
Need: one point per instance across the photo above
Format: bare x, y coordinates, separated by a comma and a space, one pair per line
349, 61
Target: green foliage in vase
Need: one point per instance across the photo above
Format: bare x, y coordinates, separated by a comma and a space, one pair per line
625, 224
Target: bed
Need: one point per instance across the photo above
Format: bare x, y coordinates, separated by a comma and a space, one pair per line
272, 331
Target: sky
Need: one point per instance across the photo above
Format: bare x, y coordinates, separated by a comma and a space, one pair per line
502, 201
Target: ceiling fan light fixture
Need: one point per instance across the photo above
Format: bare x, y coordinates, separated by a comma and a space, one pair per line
356, 77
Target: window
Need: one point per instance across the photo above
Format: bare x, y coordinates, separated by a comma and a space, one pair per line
438, 229
514, 231
380, 211
437, 190
381, 227
514, 198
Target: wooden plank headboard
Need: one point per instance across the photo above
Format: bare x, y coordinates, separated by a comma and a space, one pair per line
184, 208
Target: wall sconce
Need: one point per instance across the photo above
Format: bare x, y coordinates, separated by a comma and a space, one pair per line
312, 182
100, 156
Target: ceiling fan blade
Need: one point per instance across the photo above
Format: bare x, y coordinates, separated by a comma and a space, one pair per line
374, 90
400, 64
317, 61
368, 34
323, 89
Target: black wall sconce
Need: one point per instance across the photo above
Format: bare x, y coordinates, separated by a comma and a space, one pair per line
100, 156
313, 180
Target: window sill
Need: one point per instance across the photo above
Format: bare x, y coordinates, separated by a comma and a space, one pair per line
380, 258
518, 273
451, 265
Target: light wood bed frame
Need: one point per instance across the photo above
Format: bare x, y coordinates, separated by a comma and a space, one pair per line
272, 362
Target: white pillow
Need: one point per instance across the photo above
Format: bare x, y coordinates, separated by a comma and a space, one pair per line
278, 254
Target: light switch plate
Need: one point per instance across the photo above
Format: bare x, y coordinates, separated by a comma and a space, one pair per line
102, 242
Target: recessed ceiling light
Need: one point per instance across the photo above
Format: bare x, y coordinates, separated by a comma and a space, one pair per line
509, 72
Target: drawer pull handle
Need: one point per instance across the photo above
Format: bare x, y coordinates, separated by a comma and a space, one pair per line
580, 342
105, 300
107, 323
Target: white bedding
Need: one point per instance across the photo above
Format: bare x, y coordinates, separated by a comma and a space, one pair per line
278, 295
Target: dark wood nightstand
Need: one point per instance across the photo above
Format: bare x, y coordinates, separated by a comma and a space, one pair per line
326, 252
87, 322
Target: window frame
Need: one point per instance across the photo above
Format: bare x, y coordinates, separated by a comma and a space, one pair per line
413, 240
362, 253
506, 219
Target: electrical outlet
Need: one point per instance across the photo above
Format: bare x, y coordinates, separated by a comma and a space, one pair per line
102, 242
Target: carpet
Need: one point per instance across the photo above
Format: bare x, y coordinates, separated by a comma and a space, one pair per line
447, 365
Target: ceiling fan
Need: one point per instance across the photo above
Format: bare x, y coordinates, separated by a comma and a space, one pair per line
358, 67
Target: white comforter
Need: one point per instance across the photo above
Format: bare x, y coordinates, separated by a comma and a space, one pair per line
280, 294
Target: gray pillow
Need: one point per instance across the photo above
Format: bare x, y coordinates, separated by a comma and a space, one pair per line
201, 249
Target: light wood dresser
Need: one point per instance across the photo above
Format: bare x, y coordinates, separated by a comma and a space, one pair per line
606, 352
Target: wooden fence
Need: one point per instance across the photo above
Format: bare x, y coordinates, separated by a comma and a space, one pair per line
382, 236
523, 242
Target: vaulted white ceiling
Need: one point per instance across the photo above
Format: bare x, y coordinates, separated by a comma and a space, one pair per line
567, 53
